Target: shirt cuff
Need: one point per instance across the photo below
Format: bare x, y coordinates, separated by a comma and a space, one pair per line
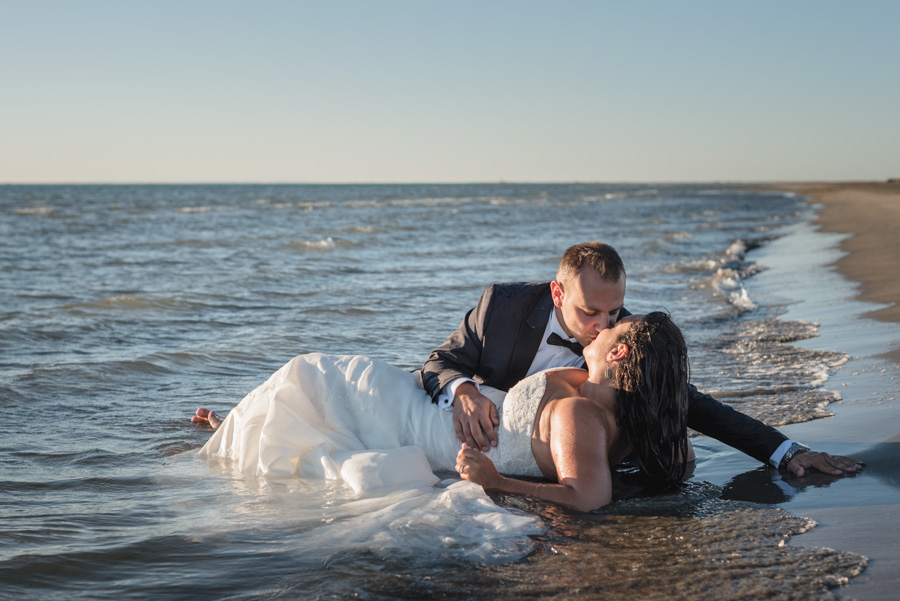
778, 455
445, 399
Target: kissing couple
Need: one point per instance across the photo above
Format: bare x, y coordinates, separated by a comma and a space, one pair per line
555, 382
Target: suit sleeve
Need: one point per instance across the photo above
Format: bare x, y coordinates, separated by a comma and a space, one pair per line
460, 355
746, 434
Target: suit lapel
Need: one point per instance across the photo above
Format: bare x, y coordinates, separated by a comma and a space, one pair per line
528, 340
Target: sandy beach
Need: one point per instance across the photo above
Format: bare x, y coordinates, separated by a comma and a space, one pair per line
870, 213
861, 513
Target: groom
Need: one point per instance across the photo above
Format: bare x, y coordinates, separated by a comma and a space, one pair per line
521, 328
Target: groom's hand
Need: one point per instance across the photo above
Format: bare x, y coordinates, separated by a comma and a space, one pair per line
835, 465
474, 417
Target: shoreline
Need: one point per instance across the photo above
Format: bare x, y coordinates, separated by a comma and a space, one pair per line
868, 213
838, 271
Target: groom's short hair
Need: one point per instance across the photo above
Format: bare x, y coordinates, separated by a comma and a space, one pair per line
599, 256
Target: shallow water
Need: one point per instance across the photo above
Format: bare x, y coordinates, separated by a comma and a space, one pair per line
123, 308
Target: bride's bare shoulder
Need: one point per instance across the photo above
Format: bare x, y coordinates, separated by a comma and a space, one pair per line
572, 413
570, 376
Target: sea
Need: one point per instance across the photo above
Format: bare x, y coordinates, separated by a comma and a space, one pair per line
123, 308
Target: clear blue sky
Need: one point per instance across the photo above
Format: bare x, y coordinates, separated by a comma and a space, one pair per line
464, 91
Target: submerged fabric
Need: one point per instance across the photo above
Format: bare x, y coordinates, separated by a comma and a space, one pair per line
368, 424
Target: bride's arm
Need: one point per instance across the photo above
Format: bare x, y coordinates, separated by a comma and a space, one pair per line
578, 444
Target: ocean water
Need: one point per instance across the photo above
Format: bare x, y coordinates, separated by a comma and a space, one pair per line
124, 308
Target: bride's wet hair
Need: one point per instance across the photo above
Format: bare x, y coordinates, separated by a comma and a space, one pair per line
652, 396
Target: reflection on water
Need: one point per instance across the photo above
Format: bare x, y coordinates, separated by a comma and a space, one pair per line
772, 487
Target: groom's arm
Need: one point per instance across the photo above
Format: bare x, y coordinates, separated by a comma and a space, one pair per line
460, 355
722, 422
709, 416
459, 360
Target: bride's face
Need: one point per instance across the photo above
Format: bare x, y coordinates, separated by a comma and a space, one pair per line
596, 353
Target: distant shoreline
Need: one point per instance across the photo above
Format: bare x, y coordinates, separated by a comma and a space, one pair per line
870, 213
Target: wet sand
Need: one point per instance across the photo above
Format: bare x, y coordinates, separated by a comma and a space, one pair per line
857, 314
869, 212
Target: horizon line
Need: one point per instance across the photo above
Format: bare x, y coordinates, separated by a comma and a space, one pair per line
454, 183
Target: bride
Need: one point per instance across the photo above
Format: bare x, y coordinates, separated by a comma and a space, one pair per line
372, 425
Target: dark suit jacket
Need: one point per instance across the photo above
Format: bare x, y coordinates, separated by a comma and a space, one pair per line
498, 339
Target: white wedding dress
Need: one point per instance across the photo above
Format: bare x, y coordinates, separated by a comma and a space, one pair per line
363, 421
323, 421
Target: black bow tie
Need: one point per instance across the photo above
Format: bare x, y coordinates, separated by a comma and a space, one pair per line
557, 340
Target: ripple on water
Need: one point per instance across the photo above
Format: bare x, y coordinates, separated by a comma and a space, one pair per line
778, 383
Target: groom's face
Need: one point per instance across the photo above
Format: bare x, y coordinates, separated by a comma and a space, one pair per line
587, 304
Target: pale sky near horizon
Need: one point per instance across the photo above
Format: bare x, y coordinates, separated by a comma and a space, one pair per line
416, 91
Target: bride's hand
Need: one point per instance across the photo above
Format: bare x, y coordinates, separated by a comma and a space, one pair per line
474, 466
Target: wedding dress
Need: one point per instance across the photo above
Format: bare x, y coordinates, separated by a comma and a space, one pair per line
370, 425
366, 422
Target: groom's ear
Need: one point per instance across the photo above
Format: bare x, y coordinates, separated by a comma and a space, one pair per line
557, 292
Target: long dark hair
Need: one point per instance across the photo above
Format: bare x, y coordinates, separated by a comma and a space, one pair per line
652, 396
